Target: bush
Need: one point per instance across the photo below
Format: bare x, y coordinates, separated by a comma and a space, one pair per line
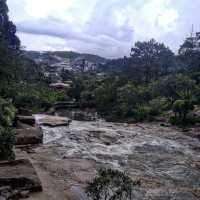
142, 112
170, 86
159, 105
111, 185
183, 122
7, 140
7, 113
37, 97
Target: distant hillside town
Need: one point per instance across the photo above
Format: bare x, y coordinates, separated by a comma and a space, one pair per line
53, 64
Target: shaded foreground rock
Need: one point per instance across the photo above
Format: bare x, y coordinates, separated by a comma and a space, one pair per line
30, 120
19, 175
31, 135
54, 121
24, 112
8, 193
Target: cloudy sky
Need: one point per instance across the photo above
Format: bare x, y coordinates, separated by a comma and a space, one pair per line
107, 28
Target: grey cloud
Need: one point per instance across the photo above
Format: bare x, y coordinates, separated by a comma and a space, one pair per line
61, 29
102, 34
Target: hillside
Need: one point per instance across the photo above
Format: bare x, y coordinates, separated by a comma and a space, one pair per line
36, 55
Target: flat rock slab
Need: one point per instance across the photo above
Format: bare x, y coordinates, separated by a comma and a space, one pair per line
19, 175
55, 121
30, 120
32, 135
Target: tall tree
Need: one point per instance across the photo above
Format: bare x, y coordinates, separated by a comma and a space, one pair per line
152, 58
7, 28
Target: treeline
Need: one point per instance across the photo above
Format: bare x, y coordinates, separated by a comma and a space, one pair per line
149, 83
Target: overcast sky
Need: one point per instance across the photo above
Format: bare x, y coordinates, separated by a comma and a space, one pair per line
108, 28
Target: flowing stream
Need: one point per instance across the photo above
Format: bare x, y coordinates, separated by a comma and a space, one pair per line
164, 159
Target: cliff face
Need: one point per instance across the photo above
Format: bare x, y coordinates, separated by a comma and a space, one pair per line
7, 28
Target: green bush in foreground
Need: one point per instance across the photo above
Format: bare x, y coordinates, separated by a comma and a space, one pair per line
7, 113
111, 185
7, 140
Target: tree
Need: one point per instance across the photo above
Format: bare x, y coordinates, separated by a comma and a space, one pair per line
152, 58
7, 28
183, 105
170, 86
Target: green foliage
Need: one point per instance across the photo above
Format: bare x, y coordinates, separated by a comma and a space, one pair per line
182, 107
36, 96
142, 112
7, 140
7, 113
87, 99
170, 86
128, 96
111, 185
153, 58
158, 105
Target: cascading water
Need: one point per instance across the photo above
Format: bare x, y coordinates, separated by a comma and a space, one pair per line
148, 151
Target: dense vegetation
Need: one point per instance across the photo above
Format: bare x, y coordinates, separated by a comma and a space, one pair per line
21, 84
151, 82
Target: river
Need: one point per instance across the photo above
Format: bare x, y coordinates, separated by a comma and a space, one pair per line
165, 159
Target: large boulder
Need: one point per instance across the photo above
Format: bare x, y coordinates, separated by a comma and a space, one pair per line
32, 135
19, 175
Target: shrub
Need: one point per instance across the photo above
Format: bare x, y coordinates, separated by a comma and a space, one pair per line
183, 122
7, 113
7, 140
142, 112
183, 106
170, 86
111, 185
159, 105
37, 97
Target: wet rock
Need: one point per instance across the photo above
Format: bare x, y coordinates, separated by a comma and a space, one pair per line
163, 157
27, 136
77, 114
7, 193
24, 112
77, 192
21, 125
30, 120
19, 175
55, 121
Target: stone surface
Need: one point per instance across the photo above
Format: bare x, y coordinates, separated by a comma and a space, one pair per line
32, 135
164, 159
19, 175
24, 112
77, 114
30, 120
54, 121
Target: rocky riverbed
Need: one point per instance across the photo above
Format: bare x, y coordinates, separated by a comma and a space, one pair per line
165, 159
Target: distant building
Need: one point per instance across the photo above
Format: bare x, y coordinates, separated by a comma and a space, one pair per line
191, 43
